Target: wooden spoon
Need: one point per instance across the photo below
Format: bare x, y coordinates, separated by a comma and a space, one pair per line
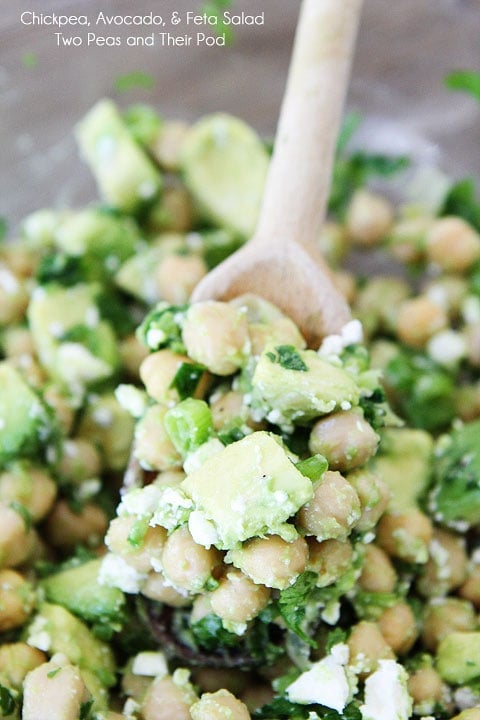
282, 262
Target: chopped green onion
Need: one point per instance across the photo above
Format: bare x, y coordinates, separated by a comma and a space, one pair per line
313, 467
189, 424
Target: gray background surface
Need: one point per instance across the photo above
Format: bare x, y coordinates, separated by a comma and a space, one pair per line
405, 48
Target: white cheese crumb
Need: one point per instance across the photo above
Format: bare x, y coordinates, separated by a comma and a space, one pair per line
150, 664
386, 694
447, 348
146, 189
326, 682
202, 530
140, 501
155, 337
8, 281
115, 572
471, 309
133, 400
92, 316
38, 636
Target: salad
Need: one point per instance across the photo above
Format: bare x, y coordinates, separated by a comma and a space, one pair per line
202, 517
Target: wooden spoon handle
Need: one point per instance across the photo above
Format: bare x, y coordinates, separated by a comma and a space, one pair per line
296, 193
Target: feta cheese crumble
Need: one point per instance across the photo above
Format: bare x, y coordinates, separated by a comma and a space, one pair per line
326, 682
386, 694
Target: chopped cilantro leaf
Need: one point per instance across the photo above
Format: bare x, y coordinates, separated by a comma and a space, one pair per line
288, 357
137, 532
7, 701
336, 636
292, 604
187, 378
462, 200
54, 672
466, 80
60, 268
281, 709
210, 633
85, 709
24, 513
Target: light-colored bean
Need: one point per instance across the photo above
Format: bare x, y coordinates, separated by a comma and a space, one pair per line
17, 660
219, 706
333, 510
443, 616
425, 686
345, 438
157, 588
470, 589
374, 497
17, 541
30, 486
186, 564
281, 331
177, 275
80, 460
407, 238
367, 646
14, 296
378, 573
453, 244
405, 535
272, 561
132, 354
17, 340
238, 599
369, 218
333, 242
418, 320
157, 372
16, 600
65, 528
174, 213
446, 567
62, 406
329, 559
398, 627
166, 148
166, 700
54, 691
153, 446
140, 557
216, 335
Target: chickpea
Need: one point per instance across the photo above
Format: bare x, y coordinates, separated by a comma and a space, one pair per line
157, 372
333, 242
367, 646
448, 291
408, 237
418, 319
132, 354
425, 686
157, 588
377, 303
229, 407
46, 688
237, 599
30, 486
470, 589
281, 331
446, 567
186, 564
272, 561
80, 460
117, 539
201, 608
443, 616
453, 244
405, 535
398, 627
61, 405
16, 661
166, 700
378, 573
216, 335
65, 528
172, 478
177, 275
167, 147
16, 600
468, 714
17, 542
345, 438
374, 497
17, 340
153, 447
14, 297
333, 510
369, 218
20, 259
329, 559
218, 706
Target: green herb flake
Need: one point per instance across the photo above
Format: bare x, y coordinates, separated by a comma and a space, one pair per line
134, 80
209, 633
52, 673
7, 701
137, 533
85, 709
292, 604
288, 357
462, 200
465, 80
336, 636
24, 513
187, 378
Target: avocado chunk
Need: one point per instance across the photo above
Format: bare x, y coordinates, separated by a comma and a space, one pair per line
78, 590
248, 489
403, 462
54, 629
75, 346
106, 423
224, 164
127, 178
295, 386
24, 421
458, 657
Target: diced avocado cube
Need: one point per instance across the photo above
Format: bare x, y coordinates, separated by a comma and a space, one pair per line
403, 462
250, 488
75, 346
106, 423
101, 236
458, 657
55, 629
78, 590
224, 164
127, 178
24, 421
295, 386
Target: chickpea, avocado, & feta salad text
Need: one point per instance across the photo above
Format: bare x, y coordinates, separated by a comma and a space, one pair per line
296, 535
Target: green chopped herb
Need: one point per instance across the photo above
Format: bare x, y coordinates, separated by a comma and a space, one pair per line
60, 268
187, 378
292, 604
85, 709
313, 467
7, 701
466, 80
52, 673
24, 513
133, 80
137, 533
336, 636
462, 200
288, 357
209, 633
